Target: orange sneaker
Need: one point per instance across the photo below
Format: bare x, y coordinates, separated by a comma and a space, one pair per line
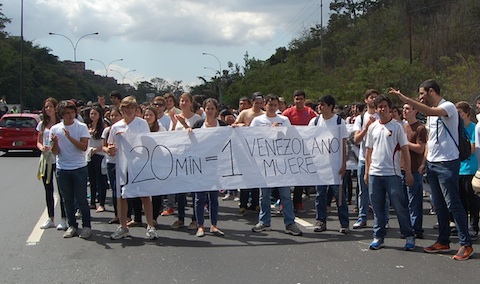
437, 248
463, 253
168, 211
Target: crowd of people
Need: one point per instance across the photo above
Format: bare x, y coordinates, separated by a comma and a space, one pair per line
387, 148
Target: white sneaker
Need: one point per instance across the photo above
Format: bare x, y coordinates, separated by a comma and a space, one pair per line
62, 226
70, 233
152, 233
120, 233
78, 214
48, 224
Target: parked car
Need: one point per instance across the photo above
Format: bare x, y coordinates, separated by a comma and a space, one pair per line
18, 132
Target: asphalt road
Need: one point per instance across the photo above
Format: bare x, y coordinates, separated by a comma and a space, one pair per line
29, 255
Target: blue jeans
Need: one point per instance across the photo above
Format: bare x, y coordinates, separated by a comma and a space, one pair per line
443, 180
379, 187
321, 204
73, 184
415, 202
182, 203
265, 215
363, 196
200, 199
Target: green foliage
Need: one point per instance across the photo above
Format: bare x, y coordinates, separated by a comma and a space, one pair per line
367, 45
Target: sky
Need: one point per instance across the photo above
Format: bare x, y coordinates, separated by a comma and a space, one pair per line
163, 38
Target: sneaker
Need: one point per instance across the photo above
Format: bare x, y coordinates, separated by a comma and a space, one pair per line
376, 244
167, 211
242, 212
120, 233
320, 226
387, 226
70, 233
152, 233
259, 227
236, 199
227, 196
452, 224
292, 229
78, 214
62, 226
360, 224
48, 224
177, 225
193, 226
463, 253
437, 248
86, 233
410, 243
344, 230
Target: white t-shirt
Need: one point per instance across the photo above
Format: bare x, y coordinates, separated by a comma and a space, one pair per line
47, 139
165, 121
70, 157
358, 126
105, 132
441, 147
337, 130
137, 125
386, 141
264, 120
190, 122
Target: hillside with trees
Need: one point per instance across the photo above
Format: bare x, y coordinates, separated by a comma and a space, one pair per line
366, 44
370, 44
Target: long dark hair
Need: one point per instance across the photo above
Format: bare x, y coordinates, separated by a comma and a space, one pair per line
97, 133
45, 117
154, 127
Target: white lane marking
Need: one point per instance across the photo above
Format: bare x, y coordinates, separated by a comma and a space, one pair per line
37, 233
303, 223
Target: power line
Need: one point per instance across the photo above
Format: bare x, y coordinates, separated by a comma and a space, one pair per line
289, 28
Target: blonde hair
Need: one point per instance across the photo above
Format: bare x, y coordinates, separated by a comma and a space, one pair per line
128, 101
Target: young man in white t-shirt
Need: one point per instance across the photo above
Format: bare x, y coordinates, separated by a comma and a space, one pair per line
69, 142
272, 119
129, 124
442, 166
336, 126
385, 140
361, 125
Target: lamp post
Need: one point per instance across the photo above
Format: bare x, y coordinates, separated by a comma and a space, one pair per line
106, 66
74, 55
220, 74
124, 74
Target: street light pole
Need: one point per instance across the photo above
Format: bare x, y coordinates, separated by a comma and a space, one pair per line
124, 74
74, 55
220, 73
106, 66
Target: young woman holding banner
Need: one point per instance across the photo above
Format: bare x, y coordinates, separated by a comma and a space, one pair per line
211, 110
185, 120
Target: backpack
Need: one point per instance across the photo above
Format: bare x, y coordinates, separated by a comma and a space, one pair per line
339, 120
464, 147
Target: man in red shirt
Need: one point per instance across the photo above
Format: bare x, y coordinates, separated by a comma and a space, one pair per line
299, 114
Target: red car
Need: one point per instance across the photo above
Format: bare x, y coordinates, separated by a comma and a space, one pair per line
18, 132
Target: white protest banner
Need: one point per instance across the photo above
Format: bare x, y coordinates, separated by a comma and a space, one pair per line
226, 158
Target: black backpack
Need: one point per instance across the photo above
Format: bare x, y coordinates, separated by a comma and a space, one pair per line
464, 147
339, 120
